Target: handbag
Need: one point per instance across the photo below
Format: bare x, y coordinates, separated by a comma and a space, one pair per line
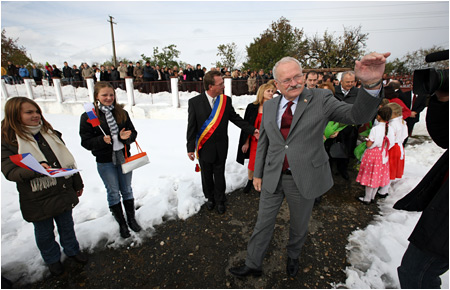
134, 161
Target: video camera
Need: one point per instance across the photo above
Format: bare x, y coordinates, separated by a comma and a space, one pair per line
429, 80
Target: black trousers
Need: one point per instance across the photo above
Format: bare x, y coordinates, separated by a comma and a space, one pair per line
213, 180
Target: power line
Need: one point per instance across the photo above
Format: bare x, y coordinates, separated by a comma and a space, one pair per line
353, 6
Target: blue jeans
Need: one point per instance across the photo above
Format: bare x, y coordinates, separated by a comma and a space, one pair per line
116, 182
420, 270
45, 237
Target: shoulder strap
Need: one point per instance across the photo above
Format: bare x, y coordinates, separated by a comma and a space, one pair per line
137, 146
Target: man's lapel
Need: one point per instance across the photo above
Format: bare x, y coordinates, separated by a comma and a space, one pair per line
206, 105
303, 101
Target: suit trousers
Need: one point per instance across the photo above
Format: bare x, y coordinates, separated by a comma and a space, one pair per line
213, 180
300, 210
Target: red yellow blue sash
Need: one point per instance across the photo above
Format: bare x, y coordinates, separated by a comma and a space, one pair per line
211, 123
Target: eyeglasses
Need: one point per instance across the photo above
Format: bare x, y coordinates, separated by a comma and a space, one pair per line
296, 78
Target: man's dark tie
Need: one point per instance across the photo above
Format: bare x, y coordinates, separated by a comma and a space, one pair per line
286, 121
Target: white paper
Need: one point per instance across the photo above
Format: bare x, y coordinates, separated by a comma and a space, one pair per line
31, 162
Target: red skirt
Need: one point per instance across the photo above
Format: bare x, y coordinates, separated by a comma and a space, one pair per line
254, 145
372, 172
396, 165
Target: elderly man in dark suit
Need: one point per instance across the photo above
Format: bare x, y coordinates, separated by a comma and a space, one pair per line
212, 153
291, 160
346, 92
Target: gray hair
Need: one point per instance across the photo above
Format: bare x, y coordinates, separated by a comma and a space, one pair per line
349, 72
285, 59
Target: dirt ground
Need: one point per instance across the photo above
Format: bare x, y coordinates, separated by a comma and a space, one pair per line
197, 252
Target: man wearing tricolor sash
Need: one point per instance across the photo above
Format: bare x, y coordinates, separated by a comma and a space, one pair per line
207, 136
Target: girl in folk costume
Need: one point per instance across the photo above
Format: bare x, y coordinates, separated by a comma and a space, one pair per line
43, 199
397, 152
109, 150
248, 143
374, 169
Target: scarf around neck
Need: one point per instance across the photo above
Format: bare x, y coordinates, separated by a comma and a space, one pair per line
117, 155
65, 158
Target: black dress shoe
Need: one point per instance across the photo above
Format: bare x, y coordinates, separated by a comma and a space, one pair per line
56, 268
210, 205
244, 271
292, 267
80, 258
361, 199
221, 208
382, 195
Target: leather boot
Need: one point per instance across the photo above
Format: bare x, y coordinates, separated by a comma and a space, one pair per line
117, 213
249, 186
129, 209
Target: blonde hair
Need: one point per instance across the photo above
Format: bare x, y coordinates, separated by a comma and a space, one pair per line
384, 102
396, 110
260, 94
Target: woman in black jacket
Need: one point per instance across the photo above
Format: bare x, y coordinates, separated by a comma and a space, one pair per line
247, 143
43, 199
109, 150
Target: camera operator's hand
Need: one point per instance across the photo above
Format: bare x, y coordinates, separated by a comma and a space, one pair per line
370, 68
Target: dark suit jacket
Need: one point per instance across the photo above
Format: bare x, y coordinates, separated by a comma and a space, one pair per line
217, 145
418, 105
250, 116
349, 135
350, 98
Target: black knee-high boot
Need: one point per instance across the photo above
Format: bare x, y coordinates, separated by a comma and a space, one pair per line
117, 213
249, 186
129, 209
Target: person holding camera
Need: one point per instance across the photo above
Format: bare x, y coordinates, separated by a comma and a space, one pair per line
426, 257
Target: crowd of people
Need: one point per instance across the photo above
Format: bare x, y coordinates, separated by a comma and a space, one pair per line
288, 158
246, 81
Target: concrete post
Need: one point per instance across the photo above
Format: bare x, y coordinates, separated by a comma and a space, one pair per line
130, 91
58, 90
28, 85
4, 90
227, 82
175, 94
90, 87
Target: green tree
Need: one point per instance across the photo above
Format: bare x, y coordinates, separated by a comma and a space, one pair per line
396, 66
13, 52
227, 53
336, 52
280, 40
110, 62
416, 59
164, 58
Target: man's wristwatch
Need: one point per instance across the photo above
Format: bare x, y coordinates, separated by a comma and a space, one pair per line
371, 86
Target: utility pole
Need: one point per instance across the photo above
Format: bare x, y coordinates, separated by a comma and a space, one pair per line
112, 37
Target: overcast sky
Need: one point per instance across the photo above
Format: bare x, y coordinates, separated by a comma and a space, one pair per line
76, 31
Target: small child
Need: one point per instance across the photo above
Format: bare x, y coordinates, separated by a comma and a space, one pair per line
400, 131
374, 169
